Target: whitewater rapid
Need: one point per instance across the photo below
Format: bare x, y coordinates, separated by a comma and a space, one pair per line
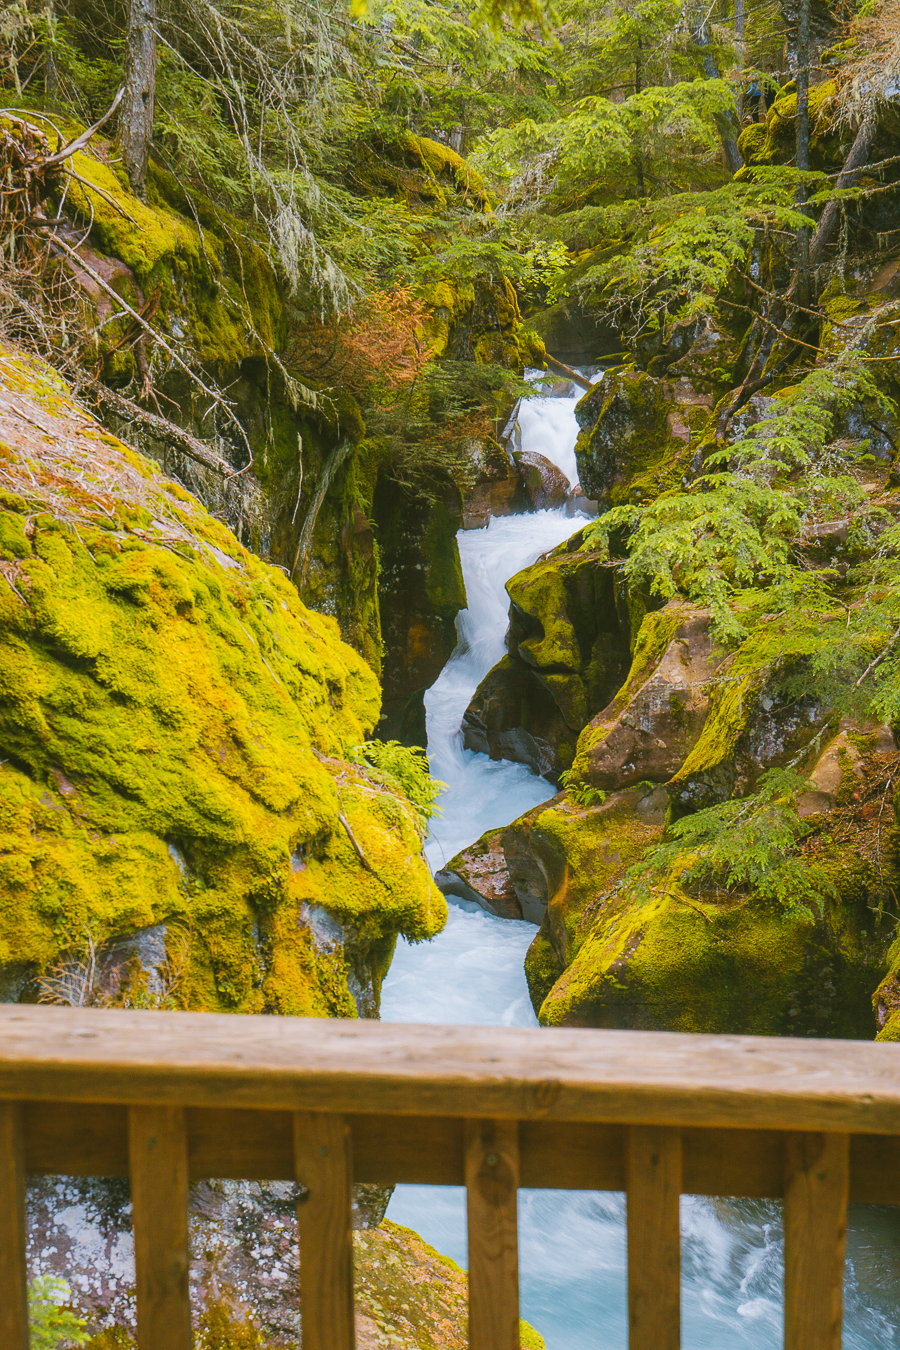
572, 1243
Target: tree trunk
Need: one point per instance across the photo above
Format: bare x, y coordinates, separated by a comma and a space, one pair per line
801, 285
51, 73
638, 158
136, 113
726, 125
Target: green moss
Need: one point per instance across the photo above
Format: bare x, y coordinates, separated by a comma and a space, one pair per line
654, 637
443, 161
445, 587
626, 451
741, 968
542, 968
414, 1294
773, 142
210, 280
891, 1029
160, 686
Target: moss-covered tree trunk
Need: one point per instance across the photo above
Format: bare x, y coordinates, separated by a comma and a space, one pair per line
138, 102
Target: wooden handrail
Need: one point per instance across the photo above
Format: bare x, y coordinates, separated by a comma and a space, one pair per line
167, 1097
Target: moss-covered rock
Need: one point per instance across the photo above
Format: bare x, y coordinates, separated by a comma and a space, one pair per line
172, 728
658, 713
421, 590
407, 1295
568, 651
774, 142
743, 969
723, 961
635, 439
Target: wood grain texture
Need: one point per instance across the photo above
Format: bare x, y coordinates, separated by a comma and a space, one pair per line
291, 1063
13, 1278
492, 1182
157, 1146
322, 1147
654, 1168
91, 1139
815, 1230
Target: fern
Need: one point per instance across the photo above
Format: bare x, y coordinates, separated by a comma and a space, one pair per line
403, 769
744, 846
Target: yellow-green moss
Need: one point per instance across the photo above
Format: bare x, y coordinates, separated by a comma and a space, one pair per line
414, 1294
773, 141
214, 283
654, 637
744, 967
160, 686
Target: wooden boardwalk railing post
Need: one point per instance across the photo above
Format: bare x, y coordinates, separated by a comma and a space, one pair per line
158, 1162
13, 1277
492, 1183
654, 1238
325, 1219
816, 1187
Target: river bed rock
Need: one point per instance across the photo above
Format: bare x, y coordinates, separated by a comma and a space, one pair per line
567, 652
245, 1268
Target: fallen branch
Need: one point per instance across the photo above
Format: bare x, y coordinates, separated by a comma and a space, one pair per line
161, 428
304, 543
152, 333
353, 840
561, 368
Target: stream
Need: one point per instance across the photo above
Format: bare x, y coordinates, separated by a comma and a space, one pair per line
572, 1243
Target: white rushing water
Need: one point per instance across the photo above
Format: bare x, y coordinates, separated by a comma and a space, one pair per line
572, 1244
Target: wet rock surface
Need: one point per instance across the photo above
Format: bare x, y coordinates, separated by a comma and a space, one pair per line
567, 652
544, 485
245, 1266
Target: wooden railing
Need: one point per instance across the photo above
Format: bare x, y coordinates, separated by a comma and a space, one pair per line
168, 1097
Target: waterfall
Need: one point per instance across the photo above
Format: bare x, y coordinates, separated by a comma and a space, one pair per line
572, 1243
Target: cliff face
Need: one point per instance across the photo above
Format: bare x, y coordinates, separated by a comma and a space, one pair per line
180, 824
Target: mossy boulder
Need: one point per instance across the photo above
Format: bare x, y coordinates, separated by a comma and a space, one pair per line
660, 710
407, 1295
746, 968
173, 726
421, 591
755, 721
635, 441
496, 488
723, 961
774, 142
568, 652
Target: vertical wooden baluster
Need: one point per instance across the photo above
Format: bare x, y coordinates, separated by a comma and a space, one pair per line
157, 1150
492, 1183
325, 1218
13, 1277
816, 1185
654, 1238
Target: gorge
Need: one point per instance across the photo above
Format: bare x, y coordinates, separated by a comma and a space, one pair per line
450, 573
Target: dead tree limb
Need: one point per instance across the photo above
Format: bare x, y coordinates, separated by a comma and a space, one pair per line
161, 428
304, 543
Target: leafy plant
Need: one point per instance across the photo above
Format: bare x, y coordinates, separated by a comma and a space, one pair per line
583, 794
53, 1325
403, 769
744, 522
747, 846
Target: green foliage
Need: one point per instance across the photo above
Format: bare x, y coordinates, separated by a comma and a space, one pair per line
742, 523
403, 769
51, 1323
582, 794
746, 846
